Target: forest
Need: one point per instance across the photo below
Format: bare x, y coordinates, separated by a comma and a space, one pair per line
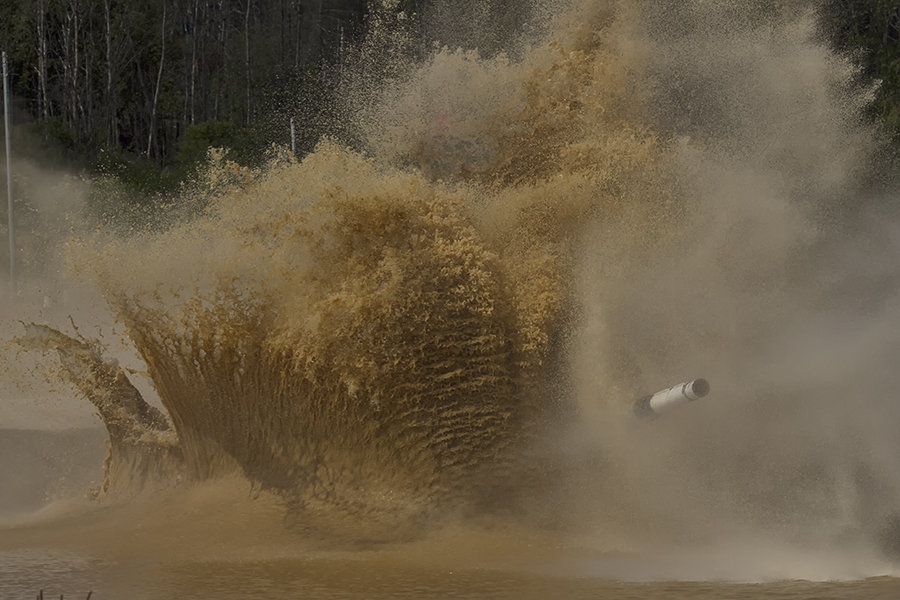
140, 90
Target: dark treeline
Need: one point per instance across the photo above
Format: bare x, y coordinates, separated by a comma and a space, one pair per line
160, 80
138, 88
870, 31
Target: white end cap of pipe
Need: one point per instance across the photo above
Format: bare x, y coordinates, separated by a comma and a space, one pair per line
672, 397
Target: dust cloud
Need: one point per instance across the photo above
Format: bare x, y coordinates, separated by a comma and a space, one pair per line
447, 315
777, 289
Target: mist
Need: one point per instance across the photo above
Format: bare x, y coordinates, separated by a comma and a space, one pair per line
779, 288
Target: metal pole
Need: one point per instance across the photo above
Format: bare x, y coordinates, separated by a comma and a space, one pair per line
293, 138
9, 186
341, 57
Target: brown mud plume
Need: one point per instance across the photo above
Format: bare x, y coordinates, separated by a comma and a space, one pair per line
142, 450
377, 343
450, 311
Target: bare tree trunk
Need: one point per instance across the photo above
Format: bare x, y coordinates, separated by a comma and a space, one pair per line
87, 114
311, 32
135, 118
247, 55
70, 67
162, 58
281, 38
67, 106
75, 65
223, 46
297, 38
194, 33
42, 61
186, 98
889, 25
110, 103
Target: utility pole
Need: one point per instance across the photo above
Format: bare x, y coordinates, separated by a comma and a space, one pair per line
9, 186
293, 138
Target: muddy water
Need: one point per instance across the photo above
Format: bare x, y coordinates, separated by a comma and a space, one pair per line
221, 540
500, 562
368, 577
404, 365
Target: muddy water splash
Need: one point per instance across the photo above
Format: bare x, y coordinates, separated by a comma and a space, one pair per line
142, 449
406, 329
380, 338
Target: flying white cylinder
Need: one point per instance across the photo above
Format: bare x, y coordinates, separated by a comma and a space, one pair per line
665, 400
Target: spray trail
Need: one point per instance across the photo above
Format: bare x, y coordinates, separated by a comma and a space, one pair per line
142, 450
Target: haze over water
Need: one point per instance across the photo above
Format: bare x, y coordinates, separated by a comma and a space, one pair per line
404, 365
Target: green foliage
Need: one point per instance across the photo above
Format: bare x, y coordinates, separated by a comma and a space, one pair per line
196, 141
140, 176
870, 31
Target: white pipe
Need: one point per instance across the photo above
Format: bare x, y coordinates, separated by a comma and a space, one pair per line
293, 138
665, 400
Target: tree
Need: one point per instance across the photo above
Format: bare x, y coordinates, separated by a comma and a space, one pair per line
870, 30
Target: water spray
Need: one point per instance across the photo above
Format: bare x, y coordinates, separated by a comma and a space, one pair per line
670, 398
